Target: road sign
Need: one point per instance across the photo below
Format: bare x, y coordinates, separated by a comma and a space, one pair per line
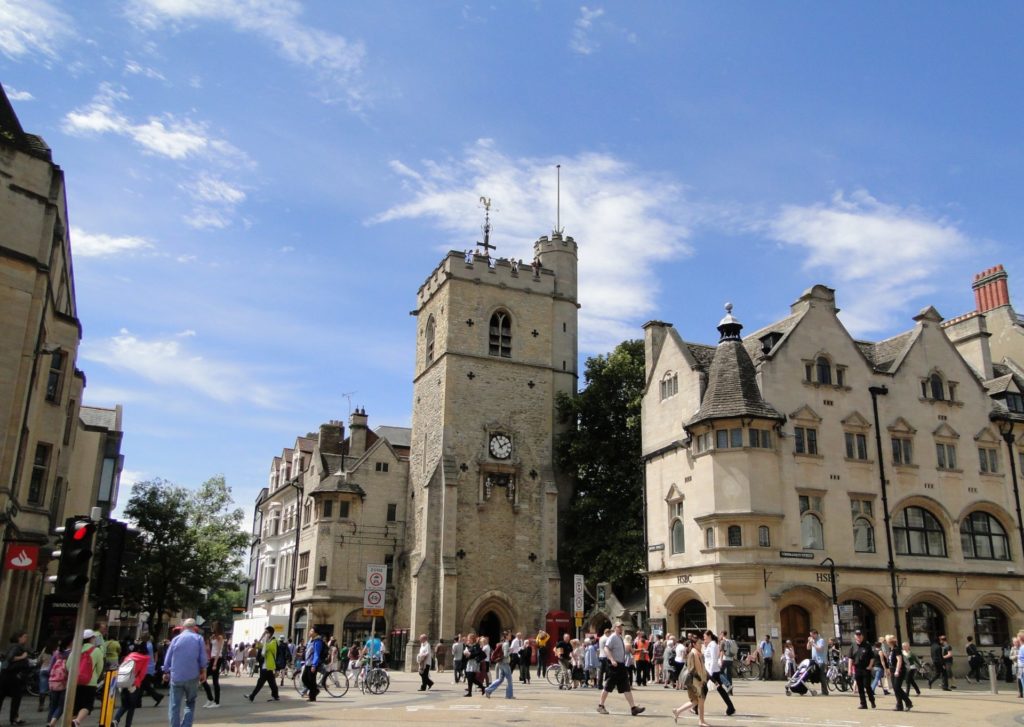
374, 593
577, 595
579, 621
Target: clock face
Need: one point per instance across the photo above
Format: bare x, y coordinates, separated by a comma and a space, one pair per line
501, 446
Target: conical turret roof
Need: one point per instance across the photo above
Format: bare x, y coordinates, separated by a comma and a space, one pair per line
732, 380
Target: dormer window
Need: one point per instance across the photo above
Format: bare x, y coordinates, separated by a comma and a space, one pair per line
1015, 402
936, 388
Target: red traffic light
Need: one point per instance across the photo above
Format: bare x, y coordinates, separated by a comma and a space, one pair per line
81, 531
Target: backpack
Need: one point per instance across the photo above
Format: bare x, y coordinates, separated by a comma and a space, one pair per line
730, 650
85, 666
58, 680
126, 675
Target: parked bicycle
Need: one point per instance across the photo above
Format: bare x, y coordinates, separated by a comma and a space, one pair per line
747, 667
559, 677
373, 677
838, 678
331, 681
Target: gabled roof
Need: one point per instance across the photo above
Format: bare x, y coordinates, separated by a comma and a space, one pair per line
784, 327
886, 355
338, 483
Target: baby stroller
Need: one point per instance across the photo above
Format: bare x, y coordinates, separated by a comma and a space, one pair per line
806, 670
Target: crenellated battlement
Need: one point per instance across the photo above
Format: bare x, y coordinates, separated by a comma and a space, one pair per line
505, 272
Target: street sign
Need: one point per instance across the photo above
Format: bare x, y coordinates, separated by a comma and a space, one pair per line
579, 621
577, 596
374, 593
801, 554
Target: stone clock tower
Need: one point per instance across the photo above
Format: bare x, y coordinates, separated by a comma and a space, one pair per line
496, 342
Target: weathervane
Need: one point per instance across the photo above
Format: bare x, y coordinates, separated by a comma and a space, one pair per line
486, 244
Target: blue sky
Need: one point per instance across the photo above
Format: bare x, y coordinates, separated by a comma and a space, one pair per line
258, 187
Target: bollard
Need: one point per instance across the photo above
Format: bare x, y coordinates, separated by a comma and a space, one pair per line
992, 678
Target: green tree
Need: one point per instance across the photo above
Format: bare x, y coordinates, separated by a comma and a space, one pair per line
603, 536
190, 544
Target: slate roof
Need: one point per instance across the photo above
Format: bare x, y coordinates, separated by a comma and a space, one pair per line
752, 342
338, 483
883, 354
999, 384
12, 133
396, 436
93, 416
732, 386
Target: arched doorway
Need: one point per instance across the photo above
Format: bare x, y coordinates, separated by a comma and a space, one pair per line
490, 626
299, 626
357, 627
693, 616
599, 623
857, 616
795, 624
991, 627
924, 624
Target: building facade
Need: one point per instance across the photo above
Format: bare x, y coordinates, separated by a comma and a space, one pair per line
763, 460
496, 344
47, 439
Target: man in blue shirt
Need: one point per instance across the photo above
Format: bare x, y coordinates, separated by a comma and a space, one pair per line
184, 667
816, 645
374, 647
311, 663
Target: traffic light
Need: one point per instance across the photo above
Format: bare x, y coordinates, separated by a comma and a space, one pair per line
75, 558
111, 555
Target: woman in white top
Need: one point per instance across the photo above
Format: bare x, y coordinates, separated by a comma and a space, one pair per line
713, 667
216, 657
788, 660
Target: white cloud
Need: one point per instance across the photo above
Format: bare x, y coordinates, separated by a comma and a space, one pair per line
623, 219
166, 362
28, 28
165, 135
213, 189
137, 69
207, 218
88, 244
882, 254
15, 95
337, 61
582, 41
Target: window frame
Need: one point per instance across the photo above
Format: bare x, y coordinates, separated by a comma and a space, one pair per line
903, 530
902, 449
967, 530
988, 465
734, 536
55, 376
764, 536
805, 440
677, 526
945, 456
499, 334
40, 474
302, 575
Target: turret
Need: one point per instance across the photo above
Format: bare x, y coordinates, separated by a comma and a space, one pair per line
558, 254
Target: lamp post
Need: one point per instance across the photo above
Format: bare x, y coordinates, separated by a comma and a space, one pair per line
295, 553
1006, 429
835, 600
877, 391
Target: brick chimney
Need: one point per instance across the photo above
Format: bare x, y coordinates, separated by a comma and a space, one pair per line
331, 436
991, 289
357, 433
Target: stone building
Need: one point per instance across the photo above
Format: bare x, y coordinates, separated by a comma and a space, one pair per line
44, 430
496, 344
762, 461
334, 504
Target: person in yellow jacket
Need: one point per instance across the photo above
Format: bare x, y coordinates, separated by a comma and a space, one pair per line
542, 652
269, 666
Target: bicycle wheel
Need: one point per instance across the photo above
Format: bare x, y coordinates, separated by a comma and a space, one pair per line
753, 672
553, 673
297, 683
335, 683
378, 681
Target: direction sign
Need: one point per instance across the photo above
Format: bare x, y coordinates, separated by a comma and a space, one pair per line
577, 595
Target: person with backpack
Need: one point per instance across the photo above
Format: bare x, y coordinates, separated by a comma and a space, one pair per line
58, 681
130, 674
766, 651
272, 651
729, 651
90, 667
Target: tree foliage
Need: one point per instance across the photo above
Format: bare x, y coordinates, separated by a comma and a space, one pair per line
603, 536
190, 545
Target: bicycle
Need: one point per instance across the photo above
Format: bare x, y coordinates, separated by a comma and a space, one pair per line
748, 668
559, 677
332, 681
373, 679
838, 678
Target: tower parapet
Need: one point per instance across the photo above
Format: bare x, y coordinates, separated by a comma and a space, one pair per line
559, 254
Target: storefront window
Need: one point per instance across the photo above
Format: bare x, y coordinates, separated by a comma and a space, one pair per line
990, 627
924, 623
854, 616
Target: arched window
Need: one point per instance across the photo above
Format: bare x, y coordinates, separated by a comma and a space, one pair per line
991, 627
735, 535
824, 367
764, 537
307, 512
693, 616
812, 536
863, 535
935, 386
917, 532
982, 537
709, 538
856, 616
924, 623
429, 335
500, 341
669, 385
678, 537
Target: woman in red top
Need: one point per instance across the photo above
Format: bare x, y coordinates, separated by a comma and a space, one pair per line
132, 697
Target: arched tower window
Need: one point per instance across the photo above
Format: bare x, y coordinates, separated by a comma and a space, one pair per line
429, 335
500, 335
937, 389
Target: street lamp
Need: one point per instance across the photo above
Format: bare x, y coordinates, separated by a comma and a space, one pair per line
877, 391
1006, 429
835, 600
295, 553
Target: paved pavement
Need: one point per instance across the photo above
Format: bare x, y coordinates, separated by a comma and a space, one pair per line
759, 704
